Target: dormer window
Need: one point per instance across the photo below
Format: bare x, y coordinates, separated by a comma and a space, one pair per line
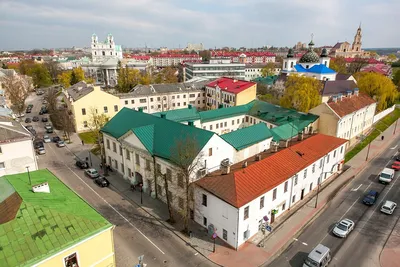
307, 66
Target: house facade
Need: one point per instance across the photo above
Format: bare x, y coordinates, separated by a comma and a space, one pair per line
234, 202
217, 67
16, 148
245, 57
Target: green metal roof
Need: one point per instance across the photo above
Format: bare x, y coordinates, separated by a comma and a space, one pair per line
269, 80
46, 223
248, 136
180, 115
160, 136
6, 189
222, 113
284, 132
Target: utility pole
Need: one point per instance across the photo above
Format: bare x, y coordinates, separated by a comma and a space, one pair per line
395, 126
29, 175
369, 145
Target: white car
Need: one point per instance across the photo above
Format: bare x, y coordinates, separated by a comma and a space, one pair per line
41, 151
60, 144
92, 173
343, 228
46, 139
388, 207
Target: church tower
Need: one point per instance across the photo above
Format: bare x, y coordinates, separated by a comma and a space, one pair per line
356, 47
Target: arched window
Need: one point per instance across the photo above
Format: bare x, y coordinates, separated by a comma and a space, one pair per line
104, 53
95, 53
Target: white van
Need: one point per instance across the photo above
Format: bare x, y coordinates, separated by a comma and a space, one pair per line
386, 176
320, 256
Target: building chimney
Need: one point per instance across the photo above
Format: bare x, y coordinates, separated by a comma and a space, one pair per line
334, 98
349, 92
356, 91
163, 115
41, 188
339, 97
189, 106
226, 169
300, 136
275, 148
244, 165
258, 157
140, 109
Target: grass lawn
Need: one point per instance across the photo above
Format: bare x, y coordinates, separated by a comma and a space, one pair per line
87, 137
96, 150
379, 127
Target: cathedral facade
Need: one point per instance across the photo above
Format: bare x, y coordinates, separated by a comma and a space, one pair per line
347, 50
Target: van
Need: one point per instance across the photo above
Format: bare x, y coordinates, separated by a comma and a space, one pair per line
320, 256
386, 176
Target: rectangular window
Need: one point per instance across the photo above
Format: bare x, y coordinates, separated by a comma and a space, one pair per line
204, 221
142, 100
204, 200
311, 186
225, 124
83, 111
178, 96
116, 108
327, 158
137, 159
126, 102
114, 147
116, 164
84, 125
180, 180
261, 202
184, 96
147, 164
216, 126
128, 154
192, 95
159, 190
233, 122
283, 206
246, 213
247, 119
286, 186
295, 180
169, 175
129, 172
334, 153
151, 99
274, 194
1, 150
71, 261
313, 168
2, 165
132, 101
180, 202
122, 168
305, 173
211, 127
293, 198
341, 150
224, 234
210, 151
320, 163
105, 109
221, 125
120, 150
238, 121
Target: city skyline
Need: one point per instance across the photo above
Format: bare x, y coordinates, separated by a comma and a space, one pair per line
174, 23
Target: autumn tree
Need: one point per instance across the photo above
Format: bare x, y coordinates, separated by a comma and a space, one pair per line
167, 75
302, 93
356, 65
268, 70
96, 123
51, 98
25, 66
392, 57
338, 64
127, 78
54, 69
396, 78
40, 76
17, 88
62, 119
71, 77
278, 89
379, 87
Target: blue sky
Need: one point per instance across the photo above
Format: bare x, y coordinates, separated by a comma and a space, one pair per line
26, 24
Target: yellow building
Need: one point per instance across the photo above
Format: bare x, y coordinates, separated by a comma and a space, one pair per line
229, 92
46, 224
83, 100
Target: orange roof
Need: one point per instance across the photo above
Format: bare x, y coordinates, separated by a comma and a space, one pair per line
246, 184
351, 104
231, 85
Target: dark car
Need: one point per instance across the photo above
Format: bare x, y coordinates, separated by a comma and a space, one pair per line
33, 132
28, 120
38, 144
29, 127
397, 157
41, 112
30, 106
35, 118
28, 110
102, 181
49, 130
81, 164
371, 198
45, 119
56, 139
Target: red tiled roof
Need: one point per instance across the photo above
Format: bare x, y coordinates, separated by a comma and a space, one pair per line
177, 56
231, 85
351, 104
244, 185
369, 60
237, 54
374, 69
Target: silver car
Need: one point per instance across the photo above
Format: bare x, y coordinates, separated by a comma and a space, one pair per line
388, 207
343, 228
46, 139
92, 173
60, 144
41, 151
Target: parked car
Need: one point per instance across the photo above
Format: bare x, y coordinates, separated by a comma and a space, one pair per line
92, 173
102, 181
56, 139
44, 102
41, 151
82, 164
29, 127
371, 198
35, 118
397, 158
28, 110
49, 130
60, 143
388, 207
343, 228
41, 112
39, 92
30, 106
46, 139
45, 119
396, 165
39, 144
28, 120
20, 115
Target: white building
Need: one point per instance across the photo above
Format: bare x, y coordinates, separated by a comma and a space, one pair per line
102, 51
165, 60
216, 68
195, 47
245, 57
233, 202
346, 115
16, 148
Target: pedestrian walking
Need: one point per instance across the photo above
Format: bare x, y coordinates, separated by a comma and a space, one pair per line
382, 137
83, 143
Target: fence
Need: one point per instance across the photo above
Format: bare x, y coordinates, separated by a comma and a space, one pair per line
382, 114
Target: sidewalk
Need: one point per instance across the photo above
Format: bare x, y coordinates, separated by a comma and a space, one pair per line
285, 228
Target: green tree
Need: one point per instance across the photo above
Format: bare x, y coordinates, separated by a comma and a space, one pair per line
128, 78
4, 66
268, 70
379, 87
74, 79
392, 57
302, 93
338, 64
53, 67
96, 122
40, 75
64, 78
25, 66
396, 78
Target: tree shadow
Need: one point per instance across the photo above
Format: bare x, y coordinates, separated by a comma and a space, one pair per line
298, 259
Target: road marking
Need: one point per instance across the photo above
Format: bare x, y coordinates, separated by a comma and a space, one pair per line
394, 147
196, 253
355, 189
105, 201
295, 239
305, 244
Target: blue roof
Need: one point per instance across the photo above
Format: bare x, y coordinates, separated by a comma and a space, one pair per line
319, 68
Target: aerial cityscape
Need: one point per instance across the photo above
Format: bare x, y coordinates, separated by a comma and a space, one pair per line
171, 133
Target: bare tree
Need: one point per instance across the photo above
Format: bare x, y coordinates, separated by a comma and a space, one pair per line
51, 98
357, 64
17, 89
62, 120
53, 67
95, 123
278, 89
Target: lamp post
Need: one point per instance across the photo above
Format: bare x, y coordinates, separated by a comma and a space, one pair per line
29, 175
141, 193
395, 126
90, 159
369, 145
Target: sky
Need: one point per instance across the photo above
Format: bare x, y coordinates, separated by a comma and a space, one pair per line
28, 24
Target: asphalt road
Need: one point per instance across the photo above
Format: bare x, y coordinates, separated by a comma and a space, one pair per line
365, 243
136, 233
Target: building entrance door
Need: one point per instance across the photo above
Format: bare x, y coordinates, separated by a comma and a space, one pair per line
302, 194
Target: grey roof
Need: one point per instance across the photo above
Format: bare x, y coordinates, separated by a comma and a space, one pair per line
164, 88
342, 76
11, 130
8, 71
79, 90
338, 86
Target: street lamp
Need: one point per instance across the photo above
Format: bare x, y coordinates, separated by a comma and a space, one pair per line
395, 126
29, 175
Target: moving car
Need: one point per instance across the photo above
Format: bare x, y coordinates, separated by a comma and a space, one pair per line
56, 139
82, 164
35, 118
46, 139
371, 198
388, 207
92, 173
41, 151
102, 181
60, 143
386, 176
396, 165
28, 120
320, 256
45, 119
343, 228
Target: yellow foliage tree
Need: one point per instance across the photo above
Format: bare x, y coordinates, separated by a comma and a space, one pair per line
268, 70
338, 64
302, 93
71, 77
379, 87
65, 78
